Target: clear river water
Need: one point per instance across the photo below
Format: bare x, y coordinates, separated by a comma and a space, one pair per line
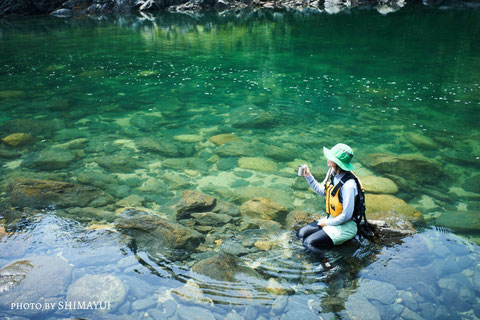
143, 108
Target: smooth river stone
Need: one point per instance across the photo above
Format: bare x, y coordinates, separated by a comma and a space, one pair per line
192, 138
258, 163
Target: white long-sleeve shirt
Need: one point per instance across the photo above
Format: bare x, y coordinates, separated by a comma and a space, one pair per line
348, 192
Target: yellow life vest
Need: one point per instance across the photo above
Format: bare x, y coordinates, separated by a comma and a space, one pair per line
333, 204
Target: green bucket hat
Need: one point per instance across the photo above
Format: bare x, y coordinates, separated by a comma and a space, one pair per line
341, 154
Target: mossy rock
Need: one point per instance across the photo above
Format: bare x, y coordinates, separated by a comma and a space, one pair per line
221, 139
406, 166
19, 140
374, 184
258, 163
263, 208
381, 205
35, 193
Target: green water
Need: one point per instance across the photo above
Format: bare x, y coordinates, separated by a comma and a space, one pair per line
128, 105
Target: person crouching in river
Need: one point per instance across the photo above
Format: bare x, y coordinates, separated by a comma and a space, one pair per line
340, 190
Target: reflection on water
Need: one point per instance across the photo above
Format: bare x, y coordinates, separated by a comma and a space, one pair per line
131, 112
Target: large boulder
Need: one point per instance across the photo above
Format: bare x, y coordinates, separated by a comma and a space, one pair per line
35, 193
263, 208
251, 117
98, 288
35, 280
223, 267
50, 159
460, 220
381, 205
406, 166
163, 232
374, 184
194, 201
392, 229
420, 141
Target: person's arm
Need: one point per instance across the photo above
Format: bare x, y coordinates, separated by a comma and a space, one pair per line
319, 188
348, 196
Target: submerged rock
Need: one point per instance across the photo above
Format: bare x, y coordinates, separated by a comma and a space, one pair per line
37, 279
158, 232
258, 163
460, 220
211, 219
194, 313
42, 193
50, 159
223, 267
19, 139
420, 141
190, 293
251, 117
221, 139
99, 288
358, 307
374, 184
384, 292
37, 128
297, 219
194, 201
472, 184
406, 166
381, 205
264, 208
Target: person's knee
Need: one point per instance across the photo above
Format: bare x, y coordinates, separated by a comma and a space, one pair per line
301, 233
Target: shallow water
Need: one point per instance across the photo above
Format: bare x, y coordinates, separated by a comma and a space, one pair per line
102, 92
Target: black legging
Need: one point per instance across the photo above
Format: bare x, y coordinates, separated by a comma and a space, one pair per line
314, 237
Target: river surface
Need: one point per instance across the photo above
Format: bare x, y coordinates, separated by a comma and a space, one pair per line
129, 105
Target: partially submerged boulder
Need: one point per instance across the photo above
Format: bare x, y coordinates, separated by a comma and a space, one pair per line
162, 232
380, 206
37, 279
223, 267
194, 201
263, 208
36, 193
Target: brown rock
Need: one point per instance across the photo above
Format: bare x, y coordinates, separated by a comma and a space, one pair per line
19, 139
221, 139
374, 184
194, 201
297, 219
406, 166
35, 193
250, 223
264, 208
223, 267
380, 206
3, 232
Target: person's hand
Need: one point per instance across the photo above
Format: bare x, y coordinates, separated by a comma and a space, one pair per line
322, 223
306, 172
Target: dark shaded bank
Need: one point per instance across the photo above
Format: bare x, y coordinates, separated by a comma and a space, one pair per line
100, 7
